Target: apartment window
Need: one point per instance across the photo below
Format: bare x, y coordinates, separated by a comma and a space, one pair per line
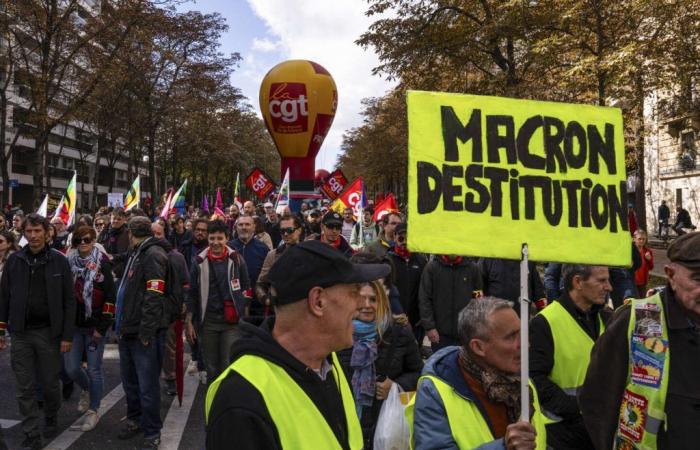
688, 151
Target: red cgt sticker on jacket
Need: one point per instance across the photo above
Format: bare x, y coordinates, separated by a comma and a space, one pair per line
155, 286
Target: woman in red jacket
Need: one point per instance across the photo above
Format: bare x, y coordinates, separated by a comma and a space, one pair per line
641, 276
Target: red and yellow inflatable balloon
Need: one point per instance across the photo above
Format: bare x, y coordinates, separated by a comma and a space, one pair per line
298, 100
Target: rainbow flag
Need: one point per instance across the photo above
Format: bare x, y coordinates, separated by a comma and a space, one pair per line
133, 197
177, 201
66, 208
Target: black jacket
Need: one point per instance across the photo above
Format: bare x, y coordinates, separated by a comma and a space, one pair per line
602, 392
445, 289
501, 278
115, 242
399, 360
238, 416
144, 308
407, 280
59, 288
571, 432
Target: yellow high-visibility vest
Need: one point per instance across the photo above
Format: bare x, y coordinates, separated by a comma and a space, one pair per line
643, 405
572, 348
300, 425
468, 426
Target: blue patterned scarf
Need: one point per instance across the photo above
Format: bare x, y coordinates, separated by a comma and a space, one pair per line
364, 353
85, 270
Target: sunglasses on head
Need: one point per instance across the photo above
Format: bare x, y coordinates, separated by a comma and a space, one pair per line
84, 240
289, 230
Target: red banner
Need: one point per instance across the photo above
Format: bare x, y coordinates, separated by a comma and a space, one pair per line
334, 184
259, 183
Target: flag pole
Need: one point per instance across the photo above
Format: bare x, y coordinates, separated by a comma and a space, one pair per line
524, 338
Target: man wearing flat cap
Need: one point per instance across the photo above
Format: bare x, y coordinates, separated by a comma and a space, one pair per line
285, 388
642, 389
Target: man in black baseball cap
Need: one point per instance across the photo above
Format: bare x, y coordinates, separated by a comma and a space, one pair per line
331, 233
285, 387
631, 361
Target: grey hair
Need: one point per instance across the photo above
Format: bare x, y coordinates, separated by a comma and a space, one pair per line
569, 271
474, 319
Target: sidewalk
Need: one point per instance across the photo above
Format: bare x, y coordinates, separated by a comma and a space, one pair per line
660, 260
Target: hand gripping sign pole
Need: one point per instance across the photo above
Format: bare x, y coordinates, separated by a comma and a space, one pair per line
524, 338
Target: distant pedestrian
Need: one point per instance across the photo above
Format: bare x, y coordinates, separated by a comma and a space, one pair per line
664, 214
641, 275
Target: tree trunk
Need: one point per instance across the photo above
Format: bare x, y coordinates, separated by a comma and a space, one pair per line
96, 176
639, 193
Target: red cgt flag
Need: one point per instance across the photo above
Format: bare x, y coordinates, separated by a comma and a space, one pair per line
385, 207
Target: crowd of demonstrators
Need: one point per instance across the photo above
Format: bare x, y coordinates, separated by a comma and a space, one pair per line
288, 297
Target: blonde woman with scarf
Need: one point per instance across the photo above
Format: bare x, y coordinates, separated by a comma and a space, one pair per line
384, 352
95, 293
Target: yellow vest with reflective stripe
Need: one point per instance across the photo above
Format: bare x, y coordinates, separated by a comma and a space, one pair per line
468, 426
299, 423
643, 405
572, 348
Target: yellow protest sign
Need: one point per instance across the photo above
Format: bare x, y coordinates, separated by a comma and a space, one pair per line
488, 174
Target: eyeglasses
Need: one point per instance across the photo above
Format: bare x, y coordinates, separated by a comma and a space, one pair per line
99, 224
85, 240
289, 230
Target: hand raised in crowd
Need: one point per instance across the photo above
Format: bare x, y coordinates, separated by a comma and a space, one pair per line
383, 388
65, 346
520, 436
433, 336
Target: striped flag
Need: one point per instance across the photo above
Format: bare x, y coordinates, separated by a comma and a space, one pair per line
66, 209
237, 192
133, 197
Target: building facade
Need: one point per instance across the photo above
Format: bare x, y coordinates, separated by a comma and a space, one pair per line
672, 166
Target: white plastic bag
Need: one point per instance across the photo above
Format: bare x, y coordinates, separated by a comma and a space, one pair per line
392, 428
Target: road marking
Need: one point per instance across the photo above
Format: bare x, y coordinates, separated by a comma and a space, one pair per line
176, 420
70, 435
6, 423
